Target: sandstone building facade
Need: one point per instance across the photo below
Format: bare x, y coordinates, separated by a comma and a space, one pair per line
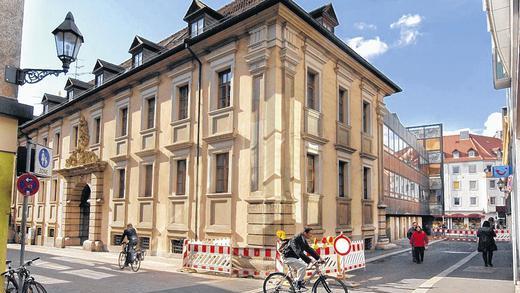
253, 118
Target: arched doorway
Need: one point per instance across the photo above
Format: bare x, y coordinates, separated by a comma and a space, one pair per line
84, 215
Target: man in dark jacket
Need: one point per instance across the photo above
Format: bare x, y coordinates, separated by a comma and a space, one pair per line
131, 236
295, 257
409, 235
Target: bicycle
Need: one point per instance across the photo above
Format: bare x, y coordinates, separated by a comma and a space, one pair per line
29, 285
283, 282
136, 264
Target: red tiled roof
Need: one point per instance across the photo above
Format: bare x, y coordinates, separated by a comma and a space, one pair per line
484, 146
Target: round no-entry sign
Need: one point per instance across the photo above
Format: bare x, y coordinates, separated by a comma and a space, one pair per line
342, 245
27, 184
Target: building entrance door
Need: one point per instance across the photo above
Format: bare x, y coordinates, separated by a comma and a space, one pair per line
84, 216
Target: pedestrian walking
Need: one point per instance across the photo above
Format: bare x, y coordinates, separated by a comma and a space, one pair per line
409, 236
486, 243
419, 241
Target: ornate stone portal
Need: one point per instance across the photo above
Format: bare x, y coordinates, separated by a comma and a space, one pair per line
83, 168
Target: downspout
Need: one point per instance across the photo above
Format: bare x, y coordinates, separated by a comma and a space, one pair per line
199, 87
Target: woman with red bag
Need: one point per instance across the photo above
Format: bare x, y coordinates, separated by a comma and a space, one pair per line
419, 241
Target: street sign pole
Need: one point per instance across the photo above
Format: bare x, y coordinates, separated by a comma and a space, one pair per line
24, 207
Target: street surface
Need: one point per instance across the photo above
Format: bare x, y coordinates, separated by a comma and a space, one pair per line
448, 267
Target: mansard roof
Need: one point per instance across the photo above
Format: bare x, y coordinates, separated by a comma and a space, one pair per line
104, 65
326, 11
76, 83
140, 42
53, 99
197, 8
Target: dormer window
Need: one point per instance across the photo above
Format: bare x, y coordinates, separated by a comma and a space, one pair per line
197, 27
45, 108
472, 153
138, 59
70, 95
456, 154
99, 79
326, 16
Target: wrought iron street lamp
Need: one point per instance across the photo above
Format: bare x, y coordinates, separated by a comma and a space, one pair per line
68, 41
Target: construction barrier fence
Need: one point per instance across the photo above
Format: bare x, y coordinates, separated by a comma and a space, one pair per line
503, 235
219, 256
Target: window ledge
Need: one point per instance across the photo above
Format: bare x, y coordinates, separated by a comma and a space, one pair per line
219, 195
95, 145
180, 121
177, 197
119, 199
220, 111
147, 131
120, 138
145, 198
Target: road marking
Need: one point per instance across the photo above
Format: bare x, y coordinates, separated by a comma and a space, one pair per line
75, 260
48, 280
457, 252
424, 287
52, 266
86, 273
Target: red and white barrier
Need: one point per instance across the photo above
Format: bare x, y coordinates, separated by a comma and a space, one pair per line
207, 257
216, 256
503, 235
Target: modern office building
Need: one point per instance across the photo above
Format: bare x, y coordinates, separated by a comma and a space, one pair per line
431, 138
406, 179
253, 118
471, 194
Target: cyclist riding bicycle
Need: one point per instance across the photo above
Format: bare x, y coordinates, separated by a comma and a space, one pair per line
295, 257
131, 235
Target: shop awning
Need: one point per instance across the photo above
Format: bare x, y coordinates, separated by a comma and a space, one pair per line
465, 216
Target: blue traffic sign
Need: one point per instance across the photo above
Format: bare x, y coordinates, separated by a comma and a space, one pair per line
44, 158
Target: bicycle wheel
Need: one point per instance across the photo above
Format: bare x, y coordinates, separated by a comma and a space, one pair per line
122, 259
278, 282
329, 284
136, 264
32, 286
10, 285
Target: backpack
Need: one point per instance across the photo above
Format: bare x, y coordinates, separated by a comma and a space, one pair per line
284, 246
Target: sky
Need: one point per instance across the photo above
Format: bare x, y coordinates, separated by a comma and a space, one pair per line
438, 52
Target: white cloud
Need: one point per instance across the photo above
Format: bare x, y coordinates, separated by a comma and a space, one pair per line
492, 124
365, 26
368, 48
409, 26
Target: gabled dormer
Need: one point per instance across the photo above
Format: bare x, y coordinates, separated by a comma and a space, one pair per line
142, 49
199, 17
50, 102
105, 70
326, 16
75, 87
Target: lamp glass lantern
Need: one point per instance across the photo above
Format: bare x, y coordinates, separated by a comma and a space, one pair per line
68, 41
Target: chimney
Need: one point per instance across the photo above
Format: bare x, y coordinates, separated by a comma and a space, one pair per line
464, 134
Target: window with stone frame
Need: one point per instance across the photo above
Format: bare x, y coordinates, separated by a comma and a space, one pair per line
366, 182
473, 185
312, 90
473, 200
343, 179
150, 113
492, 184
224, 89
180, 188
221, 172
492, 200
456, 169
312, 175
148, 180
366, 125
182, 102
456, 185
343, 106
123, 121
456, 201
97, 130
472, 168
56, 143
55, 189
121, 182
75, 137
